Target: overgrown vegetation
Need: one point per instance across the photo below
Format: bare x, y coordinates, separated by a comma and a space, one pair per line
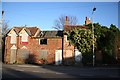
82, 39
107, 40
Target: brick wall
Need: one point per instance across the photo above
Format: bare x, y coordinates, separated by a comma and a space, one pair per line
68, 52
34, 48
53, 44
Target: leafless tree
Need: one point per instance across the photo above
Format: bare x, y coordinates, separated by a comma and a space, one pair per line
4, 28
60, 22
4, 24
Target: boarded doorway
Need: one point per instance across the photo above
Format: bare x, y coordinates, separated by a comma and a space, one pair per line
23, 55
13, 54
43, 54
58, 57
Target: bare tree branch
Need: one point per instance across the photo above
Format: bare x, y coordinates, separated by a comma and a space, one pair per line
4, 28
60, 22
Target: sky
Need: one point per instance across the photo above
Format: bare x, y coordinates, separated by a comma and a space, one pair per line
60, 0
44, 14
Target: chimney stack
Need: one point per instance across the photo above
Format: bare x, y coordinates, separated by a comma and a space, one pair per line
87, 21
66, 20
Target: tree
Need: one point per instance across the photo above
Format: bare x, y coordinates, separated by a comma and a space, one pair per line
107, 41
60, 22
82, 39
5, 28
4, 25
113, 28
116, 40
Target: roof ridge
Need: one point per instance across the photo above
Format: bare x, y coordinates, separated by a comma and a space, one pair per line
24, 27
51, 30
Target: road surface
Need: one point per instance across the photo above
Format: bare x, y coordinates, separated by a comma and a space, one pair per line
51, 71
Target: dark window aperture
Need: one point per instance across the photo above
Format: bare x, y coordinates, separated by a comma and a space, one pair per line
43, 41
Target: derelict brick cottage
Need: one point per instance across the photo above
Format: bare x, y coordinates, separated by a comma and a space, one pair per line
31, 45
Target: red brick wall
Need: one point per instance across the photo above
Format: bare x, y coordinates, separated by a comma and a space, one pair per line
53, 44
8, 46
68, 48
34, 48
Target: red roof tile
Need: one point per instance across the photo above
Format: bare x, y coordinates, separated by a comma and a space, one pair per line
71, 27
30, 30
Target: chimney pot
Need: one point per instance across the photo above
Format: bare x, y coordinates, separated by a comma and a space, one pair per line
87, 18
66, 20
87, 21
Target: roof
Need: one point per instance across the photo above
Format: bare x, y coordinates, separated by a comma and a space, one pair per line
50, 34
17, 29
30, 30
71, 27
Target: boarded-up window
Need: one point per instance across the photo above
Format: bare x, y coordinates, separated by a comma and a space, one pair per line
13, 39
43, 54
23, 53
24, 38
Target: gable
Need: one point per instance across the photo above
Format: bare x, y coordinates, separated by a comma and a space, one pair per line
32, 31
24, 47
13, 47
12, 33
23, 32
37, 32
